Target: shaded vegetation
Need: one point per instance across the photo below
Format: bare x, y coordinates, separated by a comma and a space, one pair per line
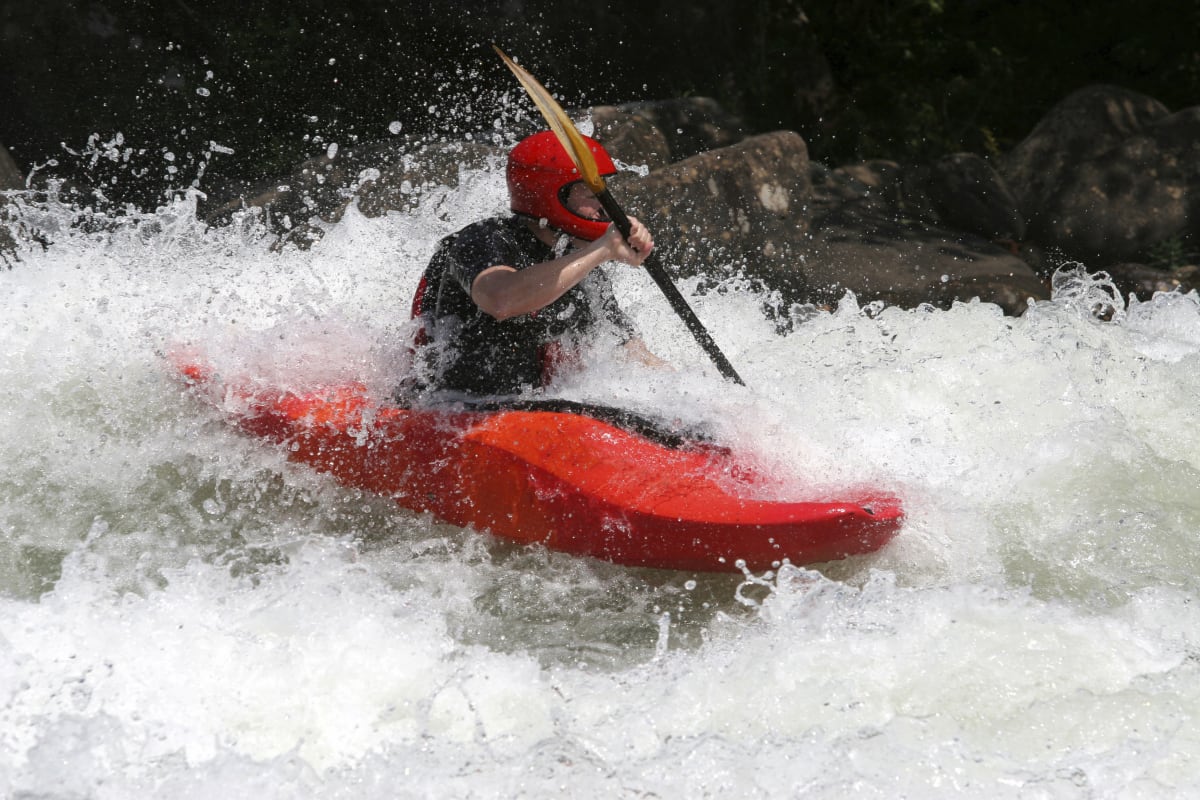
277, 81
920, 78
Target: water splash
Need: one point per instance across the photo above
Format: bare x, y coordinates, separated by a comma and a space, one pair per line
185, 612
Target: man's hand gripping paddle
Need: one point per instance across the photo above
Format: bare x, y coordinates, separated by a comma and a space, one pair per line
575, 146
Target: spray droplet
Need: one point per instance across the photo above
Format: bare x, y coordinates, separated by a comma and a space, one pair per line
394, 127
202, 91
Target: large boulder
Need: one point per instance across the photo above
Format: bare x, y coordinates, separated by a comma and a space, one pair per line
873, 234
1108, 174
398, 183
1084, 125
737, 208
631, 136
865, 248
685, 127
380, 177
963, 191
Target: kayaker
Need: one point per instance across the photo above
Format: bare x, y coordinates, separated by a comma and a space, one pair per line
507, 301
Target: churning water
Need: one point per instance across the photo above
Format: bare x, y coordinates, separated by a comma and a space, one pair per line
184, 614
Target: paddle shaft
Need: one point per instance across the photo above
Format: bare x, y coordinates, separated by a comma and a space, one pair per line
654, 266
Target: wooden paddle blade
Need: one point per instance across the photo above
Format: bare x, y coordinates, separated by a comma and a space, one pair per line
560, 123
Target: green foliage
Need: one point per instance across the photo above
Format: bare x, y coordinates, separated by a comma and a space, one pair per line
1173, 253
921, 78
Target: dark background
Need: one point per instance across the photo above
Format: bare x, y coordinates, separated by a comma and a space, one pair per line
907, 80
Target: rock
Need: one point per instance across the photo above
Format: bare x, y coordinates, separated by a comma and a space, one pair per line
382, 177
631, 136
964, 192
961, 191
867, 249
690, 125
1120, 205
1042, 263
1107, 174
400, 183
10, 173
1144, 281
881, 233
738, 207
877, 182
657, 133
1082, 126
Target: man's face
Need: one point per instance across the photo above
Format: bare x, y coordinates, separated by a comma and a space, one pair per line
581, 201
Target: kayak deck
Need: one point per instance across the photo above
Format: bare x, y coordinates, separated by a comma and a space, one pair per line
566, 480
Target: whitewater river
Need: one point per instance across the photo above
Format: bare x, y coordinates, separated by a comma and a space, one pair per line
184, 614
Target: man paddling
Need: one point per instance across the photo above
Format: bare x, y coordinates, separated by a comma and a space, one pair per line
507, 301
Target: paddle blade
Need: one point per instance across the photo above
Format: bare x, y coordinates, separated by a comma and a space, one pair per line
570, 137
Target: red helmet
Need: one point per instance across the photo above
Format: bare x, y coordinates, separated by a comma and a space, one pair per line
540, 175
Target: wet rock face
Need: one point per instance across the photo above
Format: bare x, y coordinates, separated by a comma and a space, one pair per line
742, 206
685, 127
963, 191
1107, 174
868, 247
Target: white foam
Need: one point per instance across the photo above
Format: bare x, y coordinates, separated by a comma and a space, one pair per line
185, 614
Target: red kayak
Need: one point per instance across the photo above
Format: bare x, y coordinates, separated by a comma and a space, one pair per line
554, 472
